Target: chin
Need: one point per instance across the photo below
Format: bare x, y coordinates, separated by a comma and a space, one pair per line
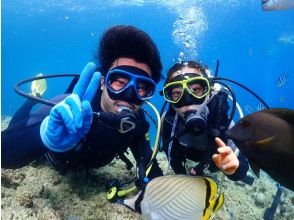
116, 108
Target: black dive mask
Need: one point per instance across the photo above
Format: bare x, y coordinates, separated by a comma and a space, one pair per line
124, 122
195, 123
187, 99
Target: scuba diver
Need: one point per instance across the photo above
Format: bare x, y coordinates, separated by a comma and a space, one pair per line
100, 118
194, 125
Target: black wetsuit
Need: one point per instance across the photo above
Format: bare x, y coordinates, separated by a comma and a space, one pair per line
205, 145
21, 142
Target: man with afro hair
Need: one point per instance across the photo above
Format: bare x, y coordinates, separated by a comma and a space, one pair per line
101, 118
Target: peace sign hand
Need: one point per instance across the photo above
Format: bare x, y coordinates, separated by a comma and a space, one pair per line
70, 120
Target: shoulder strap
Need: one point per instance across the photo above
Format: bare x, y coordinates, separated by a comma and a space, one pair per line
218, 114
126, 160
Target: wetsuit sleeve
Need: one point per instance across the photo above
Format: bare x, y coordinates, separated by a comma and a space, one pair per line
21, 141
218, 120
176, 156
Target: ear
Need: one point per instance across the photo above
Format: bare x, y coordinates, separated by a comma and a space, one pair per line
102, 84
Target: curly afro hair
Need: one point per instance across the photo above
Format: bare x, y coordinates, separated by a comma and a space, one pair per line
129, 42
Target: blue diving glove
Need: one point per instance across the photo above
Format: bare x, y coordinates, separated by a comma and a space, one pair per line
70, 120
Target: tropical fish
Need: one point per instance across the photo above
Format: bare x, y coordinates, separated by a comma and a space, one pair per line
286, 39
282, 80
270, 5
179, 197
260, 106
38, 87
266, 138
249, 109
282, 98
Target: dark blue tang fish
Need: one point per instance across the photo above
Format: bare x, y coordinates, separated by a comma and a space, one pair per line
266, 138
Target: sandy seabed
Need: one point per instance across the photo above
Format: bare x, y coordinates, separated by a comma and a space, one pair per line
38, 191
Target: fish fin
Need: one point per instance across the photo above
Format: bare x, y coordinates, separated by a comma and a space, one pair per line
265, 142
131, 202
254, 168
39, 86
282, 113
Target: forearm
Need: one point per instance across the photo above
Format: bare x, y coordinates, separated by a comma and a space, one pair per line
21, 146
175, 161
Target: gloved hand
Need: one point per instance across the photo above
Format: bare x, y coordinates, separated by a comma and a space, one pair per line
70, 120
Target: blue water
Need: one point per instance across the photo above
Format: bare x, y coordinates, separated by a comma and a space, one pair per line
254, 47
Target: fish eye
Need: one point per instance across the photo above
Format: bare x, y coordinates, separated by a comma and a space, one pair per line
245, 123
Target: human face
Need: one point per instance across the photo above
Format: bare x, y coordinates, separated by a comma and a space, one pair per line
110, 105
198, 89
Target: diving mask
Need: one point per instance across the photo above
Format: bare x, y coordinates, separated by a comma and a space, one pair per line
197, 86
129, 83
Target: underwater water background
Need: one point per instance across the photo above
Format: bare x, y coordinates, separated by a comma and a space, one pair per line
255, 48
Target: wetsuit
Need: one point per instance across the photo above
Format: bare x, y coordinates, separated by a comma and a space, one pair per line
21, 142
200, 148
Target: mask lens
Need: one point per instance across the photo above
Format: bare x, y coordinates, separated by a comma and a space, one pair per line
173, 92
145, 88
118, 81
198, 87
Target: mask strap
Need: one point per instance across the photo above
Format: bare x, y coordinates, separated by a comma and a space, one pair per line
171, 142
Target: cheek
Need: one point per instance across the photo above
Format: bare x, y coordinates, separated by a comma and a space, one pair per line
106, 102
102, 81
102, 86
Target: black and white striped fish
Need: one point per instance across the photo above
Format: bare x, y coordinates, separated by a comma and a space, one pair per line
282, 80
175, 197
270, 5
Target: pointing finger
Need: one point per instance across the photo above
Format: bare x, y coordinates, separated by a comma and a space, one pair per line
73, 101
87, 116
219, 142
92, 88
85, 79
